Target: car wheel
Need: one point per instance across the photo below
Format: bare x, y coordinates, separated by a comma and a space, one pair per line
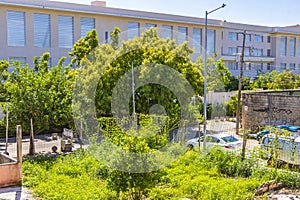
190, 146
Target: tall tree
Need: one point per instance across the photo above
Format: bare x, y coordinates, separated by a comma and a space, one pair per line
115, 38
44, 95
83, 47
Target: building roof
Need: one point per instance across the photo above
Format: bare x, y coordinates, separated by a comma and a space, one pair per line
101, 10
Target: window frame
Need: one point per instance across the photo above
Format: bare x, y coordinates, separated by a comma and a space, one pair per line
45, 23
15, 24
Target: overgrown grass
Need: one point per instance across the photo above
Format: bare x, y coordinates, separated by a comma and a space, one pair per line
74, 176
217, 175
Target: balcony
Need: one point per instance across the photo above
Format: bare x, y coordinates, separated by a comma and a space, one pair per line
260, 59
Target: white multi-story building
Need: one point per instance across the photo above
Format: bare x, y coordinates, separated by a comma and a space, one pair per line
30, 27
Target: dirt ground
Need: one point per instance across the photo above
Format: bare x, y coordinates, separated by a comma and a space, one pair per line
43, 144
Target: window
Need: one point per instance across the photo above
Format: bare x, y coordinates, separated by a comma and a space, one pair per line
299, 66
133, 30
283, 46
248, 37
269, 39
292, 66
268, 52
233, 36
247, 66
268, 66
65, 31
211, 40
282, 66
182, 34
106, 37
258, 38
148, 26
21, 60
258, 52
292, 46
15, 28
247, 51
87, 24
232, 51
42, 30
197, 38
212, 139
299, 47
167, 32
258, 66
232, 65
229, 139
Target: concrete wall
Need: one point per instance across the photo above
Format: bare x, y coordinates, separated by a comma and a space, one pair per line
270, 108
11, 169
10, 172
219, 97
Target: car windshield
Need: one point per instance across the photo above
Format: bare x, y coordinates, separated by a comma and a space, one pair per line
229, 139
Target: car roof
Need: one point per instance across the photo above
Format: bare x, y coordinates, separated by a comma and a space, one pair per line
297, 139
219, 135
282, 137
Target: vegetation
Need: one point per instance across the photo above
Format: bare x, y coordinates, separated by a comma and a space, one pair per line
41, 94
218, 175
131, 163
274, 80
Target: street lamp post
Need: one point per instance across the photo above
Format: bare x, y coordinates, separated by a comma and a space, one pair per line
205, 74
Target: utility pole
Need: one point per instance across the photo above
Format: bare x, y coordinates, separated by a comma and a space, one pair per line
240, 85
133, 98
205, 76
6, 131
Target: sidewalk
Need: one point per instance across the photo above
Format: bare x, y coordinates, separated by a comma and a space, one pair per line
15, 193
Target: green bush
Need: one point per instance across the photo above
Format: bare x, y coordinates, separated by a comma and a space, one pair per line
192, 177
74, 176
215, 175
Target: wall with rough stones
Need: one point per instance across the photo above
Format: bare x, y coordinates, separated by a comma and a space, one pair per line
270, 108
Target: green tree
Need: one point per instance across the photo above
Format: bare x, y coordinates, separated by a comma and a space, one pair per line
286, 80
83, 47
247, 83
231, 106
265, 80
219, 78
133, 157
4, 74
148, 52
41, 94
115, 38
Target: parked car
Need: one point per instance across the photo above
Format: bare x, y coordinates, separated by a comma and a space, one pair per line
286, 148
260, 134
223, 140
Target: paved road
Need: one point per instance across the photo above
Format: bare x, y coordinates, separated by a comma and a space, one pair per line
15, 193
43, 144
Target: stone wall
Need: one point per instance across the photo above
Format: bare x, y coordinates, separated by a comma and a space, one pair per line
270, 108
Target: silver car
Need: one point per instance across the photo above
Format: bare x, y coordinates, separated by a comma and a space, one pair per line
223, 140
287, 149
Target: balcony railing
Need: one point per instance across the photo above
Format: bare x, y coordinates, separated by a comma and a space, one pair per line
251, 58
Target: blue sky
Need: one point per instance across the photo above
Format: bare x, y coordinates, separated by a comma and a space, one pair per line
260, 12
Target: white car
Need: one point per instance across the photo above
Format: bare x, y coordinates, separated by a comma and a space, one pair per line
223, 140
287, 148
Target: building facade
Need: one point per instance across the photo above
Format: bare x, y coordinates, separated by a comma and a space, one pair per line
29, 28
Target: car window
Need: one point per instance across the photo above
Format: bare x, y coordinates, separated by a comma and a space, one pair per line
212, 139
298, 147
267, 141
200, 139
228, 139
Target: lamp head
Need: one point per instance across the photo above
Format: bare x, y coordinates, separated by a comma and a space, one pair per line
223, 5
